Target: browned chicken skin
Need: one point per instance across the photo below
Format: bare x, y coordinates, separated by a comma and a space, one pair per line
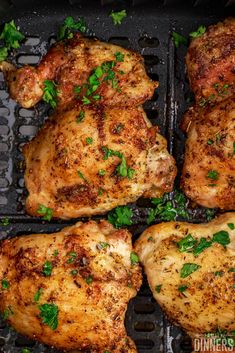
70, 63
195, 288
208, 175
70, 169
211, 63
91, 281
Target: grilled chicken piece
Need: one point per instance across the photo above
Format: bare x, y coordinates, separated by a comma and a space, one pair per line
71, 62
85, 162
211, 63
208, 176
204, 300
70, 289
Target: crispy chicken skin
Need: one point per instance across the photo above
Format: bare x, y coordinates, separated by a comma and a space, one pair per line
208, 302
208, 175
69, 169
69, 64
90, 312
210, 63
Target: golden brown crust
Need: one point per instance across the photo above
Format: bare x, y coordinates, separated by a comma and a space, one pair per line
211, 63
208, 302
62, 170
70, 63
210, 147
87, 311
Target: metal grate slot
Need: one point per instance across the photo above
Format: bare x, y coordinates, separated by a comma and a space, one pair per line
122, 41
28, 59
148, 42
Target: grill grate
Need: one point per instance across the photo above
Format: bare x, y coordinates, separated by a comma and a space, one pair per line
146, 30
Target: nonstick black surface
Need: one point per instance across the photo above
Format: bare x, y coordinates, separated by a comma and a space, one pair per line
147, 30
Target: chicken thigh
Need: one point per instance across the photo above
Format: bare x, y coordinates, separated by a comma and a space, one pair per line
70, 289
208, 175
190, 269
210, 63
87, 161
83, 69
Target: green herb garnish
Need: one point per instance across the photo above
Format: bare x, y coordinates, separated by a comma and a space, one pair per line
47, 212
69, 25
47, 268
134, 258
89, 280
158, 288
81, 116
5, 222
89, 140
37, 295
120, 216
49, 315
25, 350
199, 32
182, 288
188, 269
7, 312
187, 243
11, 37
72, 257
118, 17
119, 56
103, 245
213, 175
50, 93
221, 237
5, 284
101, 172
178, 39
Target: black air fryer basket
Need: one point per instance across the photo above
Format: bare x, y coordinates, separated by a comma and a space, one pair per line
147, 29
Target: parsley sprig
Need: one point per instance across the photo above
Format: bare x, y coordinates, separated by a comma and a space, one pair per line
11, 37
118, 17
50, 93
198, 33
49, 315
122, 169
69, 25
120, 216
46, 212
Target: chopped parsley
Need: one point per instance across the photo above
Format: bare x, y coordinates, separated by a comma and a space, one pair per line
37, 295
221, 237
7, 312
134, 258
25, 350
11, 37
46, 212
210, 142
5, 222
182, 288
49, 315
103, 245
178, 39
101, 172
122, 169
89, 140
89, 280
118, 17
199, 32
80, 116
47, 268
120, 216
188, 269
74, 272
81, 175
119, 56
158, 288
218, 273
201, 246
55, 253
5, 284
231, 226
72, 257
50, 93
213, 175
187, 243
69, 25
232, 269
166, 209
86, 100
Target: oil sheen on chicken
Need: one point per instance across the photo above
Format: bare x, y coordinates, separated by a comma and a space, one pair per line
70, 289
193, 282
81, 167
211, 63
208, 176
70, 63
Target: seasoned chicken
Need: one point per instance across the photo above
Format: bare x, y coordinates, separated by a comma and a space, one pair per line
208, 175
103, 73
87, 161
190, 269
211, 63
70, 289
